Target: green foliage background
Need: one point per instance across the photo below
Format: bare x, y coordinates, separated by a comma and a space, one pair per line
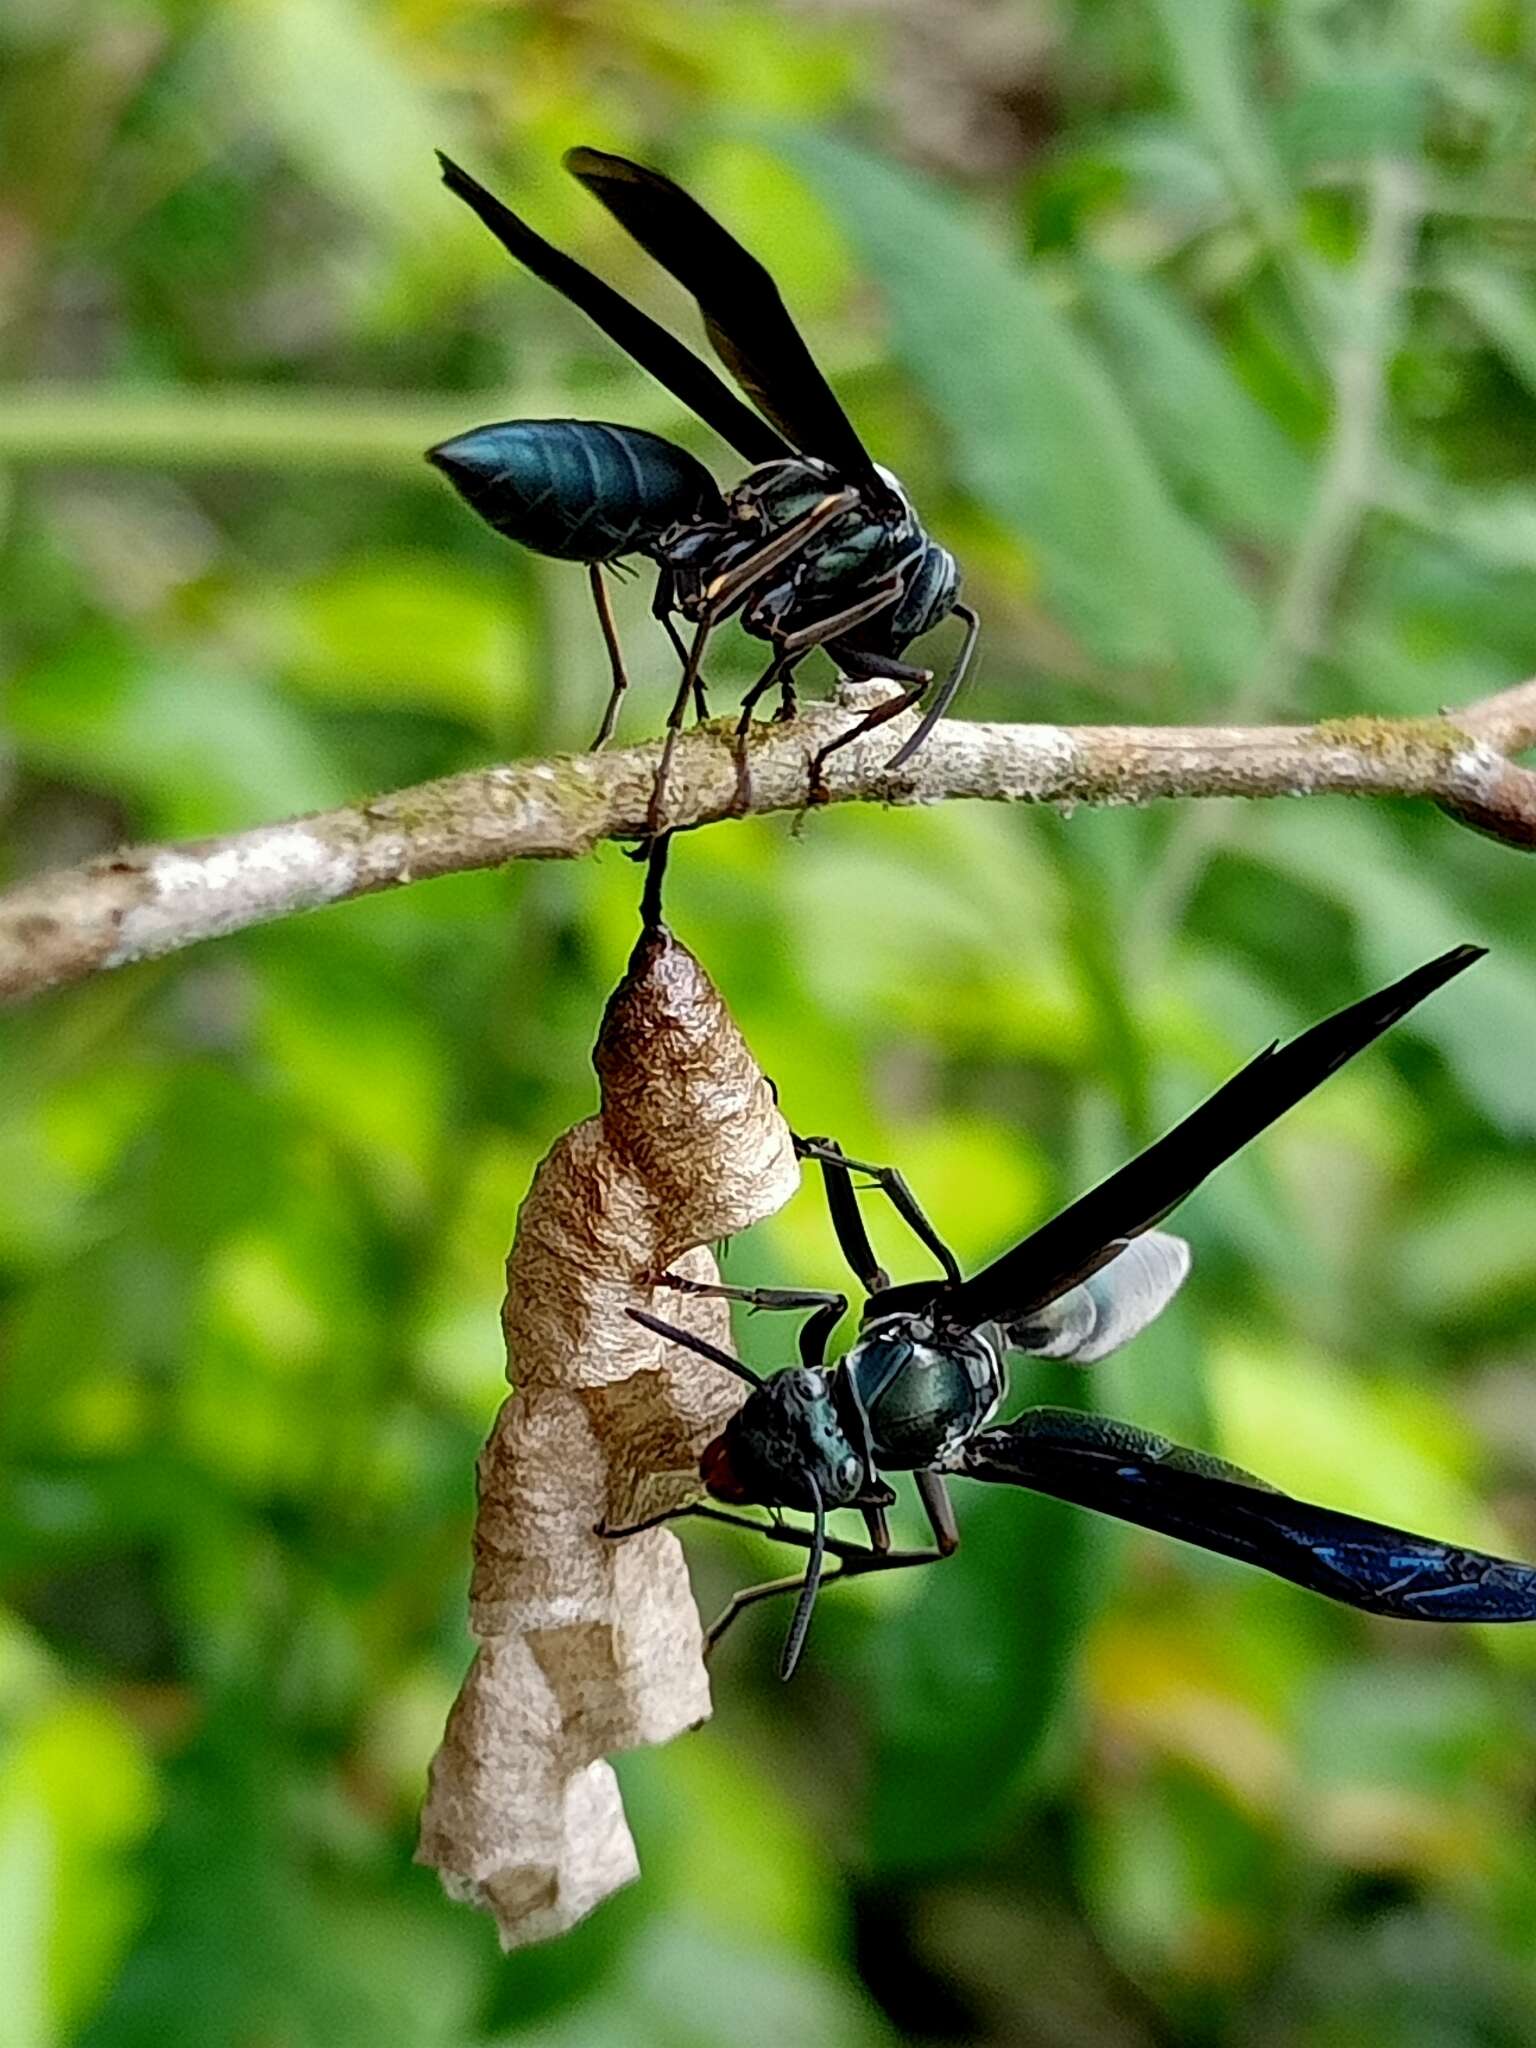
1205, 334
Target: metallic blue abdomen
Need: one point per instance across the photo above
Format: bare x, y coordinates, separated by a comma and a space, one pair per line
581, 490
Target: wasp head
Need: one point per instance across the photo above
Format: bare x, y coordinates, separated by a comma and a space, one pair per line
783, 1440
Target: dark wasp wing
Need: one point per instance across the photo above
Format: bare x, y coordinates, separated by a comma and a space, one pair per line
744, 316
1094, 1229
1120, 1470
662, 355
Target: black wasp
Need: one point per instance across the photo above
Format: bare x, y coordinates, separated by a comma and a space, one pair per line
817, 546
918, 1390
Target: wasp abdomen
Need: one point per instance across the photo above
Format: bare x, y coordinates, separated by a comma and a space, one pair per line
581, 490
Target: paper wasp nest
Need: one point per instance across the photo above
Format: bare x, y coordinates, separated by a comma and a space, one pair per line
588, 1646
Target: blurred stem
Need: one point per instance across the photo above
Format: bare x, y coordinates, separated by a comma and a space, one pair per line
1095, 942
1212, 62
233, 426
1347, 488
230, 428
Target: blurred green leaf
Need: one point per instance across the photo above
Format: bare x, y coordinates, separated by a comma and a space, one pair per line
1210, 62
76, 1799
965, 1677
761, 1999
203, 750
1358, 111
1425, 1726
405, 631
309, 1966
1501, 306
731, 1854
1163, 167
1236, 467
26, 1887
1402, 918
1039, 433
1185, 1885
326, 81
1470, 1251
1303, 1424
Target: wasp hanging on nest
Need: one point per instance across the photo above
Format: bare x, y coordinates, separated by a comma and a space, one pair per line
817, 546
919, 1388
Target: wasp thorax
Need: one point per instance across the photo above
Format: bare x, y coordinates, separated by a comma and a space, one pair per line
922, 1397
782, 1441
865, 549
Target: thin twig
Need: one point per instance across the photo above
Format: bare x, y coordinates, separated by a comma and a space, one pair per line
145, 901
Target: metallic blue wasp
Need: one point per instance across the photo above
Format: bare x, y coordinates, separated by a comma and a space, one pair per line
817, 546
920, 1387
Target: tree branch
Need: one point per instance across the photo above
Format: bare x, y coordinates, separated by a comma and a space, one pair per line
144, 901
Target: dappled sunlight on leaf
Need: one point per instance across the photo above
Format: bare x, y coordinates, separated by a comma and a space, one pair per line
1171, 1693
1306, 1424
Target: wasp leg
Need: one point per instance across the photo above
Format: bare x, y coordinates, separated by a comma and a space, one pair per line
853, 1564
770, 675
840, 1547
903, 701
725, 595
940, 1510
731, 587
778, 671
843, 1208
947, 689
880, 715
664, 603
615, 655
749, 1597
819, 631
685, 689
615, 1533
829, 1308
697, 1510
793, 648
837, 1170
862, 666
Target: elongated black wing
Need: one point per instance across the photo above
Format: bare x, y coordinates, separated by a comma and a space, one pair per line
662, 355
744, 316
1096, 1227
1120, 1470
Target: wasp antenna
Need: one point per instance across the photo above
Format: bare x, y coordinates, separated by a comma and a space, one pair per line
700, 1345
799, 1628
